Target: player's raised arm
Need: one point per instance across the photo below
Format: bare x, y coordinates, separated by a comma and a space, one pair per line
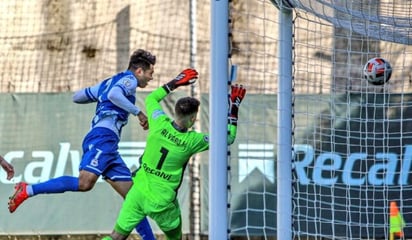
186, 77
152, 101
236, 96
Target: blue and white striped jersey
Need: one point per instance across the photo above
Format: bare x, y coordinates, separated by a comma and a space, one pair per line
115, 97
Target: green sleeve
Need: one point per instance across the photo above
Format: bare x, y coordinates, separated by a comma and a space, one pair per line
232, 130
152, 102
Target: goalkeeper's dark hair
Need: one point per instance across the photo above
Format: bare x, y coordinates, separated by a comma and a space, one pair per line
141, 59
186, 106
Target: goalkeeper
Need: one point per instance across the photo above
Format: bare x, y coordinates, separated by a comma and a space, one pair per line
169, 146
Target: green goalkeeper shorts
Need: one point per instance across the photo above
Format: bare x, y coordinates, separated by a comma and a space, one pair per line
139, 204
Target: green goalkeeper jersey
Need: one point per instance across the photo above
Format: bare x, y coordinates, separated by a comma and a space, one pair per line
167, 151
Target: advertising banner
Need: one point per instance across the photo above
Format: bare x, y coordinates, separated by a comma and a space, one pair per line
350, 162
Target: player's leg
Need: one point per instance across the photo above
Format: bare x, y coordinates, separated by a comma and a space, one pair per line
23, 191
169, 220
174, 234
143, 228
130, 214
121, 187
89, 173
83, 183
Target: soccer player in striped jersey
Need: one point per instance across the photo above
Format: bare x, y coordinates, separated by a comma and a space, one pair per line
169, 146
115, 98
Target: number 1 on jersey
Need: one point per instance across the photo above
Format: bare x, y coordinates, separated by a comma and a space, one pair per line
164, 152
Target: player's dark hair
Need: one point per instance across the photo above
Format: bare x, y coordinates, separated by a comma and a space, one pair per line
141, 58
186, 106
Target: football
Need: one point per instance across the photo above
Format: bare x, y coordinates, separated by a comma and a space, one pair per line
377, 71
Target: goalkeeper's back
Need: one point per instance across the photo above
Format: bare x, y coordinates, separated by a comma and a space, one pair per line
169, 144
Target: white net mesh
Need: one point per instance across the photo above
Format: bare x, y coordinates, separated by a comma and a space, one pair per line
351, 137
58, 46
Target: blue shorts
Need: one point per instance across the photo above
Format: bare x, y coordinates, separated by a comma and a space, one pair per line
101, 156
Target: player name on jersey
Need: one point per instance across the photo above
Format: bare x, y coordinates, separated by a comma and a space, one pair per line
179, 142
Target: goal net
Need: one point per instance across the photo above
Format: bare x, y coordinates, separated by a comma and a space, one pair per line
352, 139
61, 46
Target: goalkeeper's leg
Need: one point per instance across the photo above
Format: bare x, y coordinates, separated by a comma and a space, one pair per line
169, 221
143, 228
174, 234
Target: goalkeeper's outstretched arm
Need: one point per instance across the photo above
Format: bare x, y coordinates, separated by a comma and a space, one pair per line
236, 96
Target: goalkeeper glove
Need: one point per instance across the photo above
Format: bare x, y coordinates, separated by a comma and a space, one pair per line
235, 98
186, 77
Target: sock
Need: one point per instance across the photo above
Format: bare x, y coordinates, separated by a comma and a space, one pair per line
144, 230
29, 190
56, 185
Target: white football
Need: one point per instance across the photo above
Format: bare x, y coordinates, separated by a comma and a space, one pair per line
377, 71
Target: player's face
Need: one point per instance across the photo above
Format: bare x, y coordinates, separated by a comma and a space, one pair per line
145, 76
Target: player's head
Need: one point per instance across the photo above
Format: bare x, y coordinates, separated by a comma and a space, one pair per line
141, 59
186, 110
142, 65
